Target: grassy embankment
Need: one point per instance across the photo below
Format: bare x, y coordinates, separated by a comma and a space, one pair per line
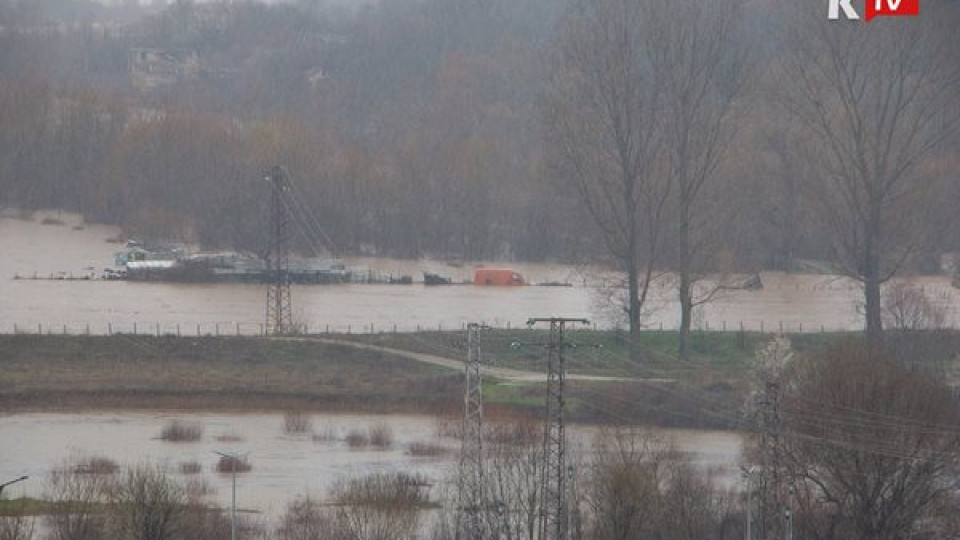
245, 373
123, 371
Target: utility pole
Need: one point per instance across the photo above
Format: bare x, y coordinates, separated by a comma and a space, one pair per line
234, 458
770, 481
471, 516
554, 521
279, 312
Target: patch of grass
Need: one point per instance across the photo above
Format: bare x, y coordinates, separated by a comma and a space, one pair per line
214, 373
327, 433
296, 421
357, 439
190, 467
427, 449
590, 352
96, 465
25, 506
181, 431
381, 435
229, 464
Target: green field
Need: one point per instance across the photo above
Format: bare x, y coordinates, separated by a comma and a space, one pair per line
254, 373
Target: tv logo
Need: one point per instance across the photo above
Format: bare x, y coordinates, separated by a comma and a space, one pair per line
874, 8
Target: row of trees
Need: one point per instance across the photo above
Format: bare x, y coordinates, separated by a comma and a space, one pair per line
652, 104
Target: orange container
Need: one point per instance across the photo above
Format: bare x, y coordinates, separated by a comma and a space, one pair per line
497, 276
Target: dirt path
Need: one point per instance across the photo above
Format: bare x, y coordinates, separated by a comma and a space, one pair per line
505, 374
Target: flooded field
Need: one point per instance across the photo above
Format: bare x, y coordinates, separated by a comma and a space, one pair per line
284, 466
795, 302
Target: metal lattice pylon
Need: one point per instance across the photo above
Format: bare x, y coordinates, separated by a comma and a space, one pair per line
472, 504
279, 312
554, 518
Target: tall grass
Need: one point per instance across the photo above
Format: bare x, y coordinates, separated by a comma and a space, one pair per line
181, 431
229, 464
296, 421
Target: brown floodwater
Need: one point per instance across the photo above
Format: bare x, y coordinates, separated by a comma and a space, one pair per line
284, 466
795, 302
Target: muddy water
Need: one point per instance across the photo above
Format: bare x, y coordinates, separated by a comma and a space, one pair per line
806, 302
284, 466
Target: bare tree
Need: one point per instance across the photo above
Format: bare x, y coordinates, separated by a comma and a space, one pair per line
75, 498
381, 506
17, 526
868, 444
877, 99
603, 125
307, 520
906, 308
147, 505
639, 117
698, 56
624, 492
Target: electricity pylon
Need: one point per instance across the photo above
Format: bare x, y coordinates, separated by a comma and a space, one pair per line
472, 504
554, 514
279, 312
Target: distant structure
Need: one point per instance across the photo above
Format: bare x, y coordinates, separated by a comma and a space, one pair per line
151, 69
279, 312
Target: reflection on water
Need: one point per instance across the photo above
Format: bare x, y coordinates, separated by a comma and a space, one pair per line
284, 466
28, 247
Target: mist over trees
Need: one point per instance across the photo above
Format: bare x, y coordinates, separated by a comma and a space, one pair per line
459, 129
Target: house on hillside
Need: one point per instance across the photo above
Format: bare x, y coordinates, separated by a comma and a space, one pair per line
150, 69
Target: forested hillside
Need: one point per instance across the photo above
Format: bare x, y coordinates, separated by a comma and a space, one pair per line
410, 128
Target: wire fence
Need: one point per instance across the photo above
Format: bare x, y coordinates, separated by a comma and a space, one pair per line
249, 329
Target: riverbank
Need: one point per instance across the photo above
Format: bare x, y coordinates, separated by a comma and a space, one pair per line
124, 372
613, 378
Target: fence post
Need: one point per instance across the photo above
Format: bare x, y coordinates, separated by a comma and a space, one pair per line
198, 329
801, 328
134, 328
88, 329
178, 329
109, 329
348, 328
216, 327
158, 329
15, 329
64, 329
39, 328
238, 329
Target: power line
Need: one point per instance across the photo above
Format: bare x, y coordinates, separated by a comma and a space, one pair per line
472, 489
279, 306
554, 513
